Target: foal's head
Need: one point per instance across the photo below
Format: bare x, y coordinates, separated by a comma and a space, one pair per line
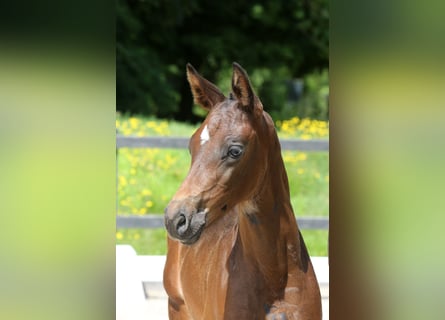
229, 156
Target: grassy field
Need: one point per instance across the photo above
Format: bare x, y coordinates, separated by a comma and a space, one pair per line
148, 178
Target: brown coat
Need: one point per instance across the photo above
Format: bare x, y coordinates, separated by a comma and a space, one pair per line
234, 248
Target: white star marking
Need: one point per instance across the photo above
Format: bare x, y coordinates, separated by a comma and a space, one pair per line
205, 135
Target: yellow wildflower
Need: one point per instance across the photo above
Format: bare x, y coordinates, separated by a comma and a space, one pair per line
122, 181
288, 158
126, 132
134, 122
301, 156
146, 192
151, 124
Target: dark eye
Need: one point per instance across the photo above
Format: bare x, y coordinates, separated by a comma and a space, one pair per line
235, 151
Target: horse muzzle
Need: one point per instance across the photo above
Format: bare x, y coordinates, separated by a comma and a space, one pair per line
184, 225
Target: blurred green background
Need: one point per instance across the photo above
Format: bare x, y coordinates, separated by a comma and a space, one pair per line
283, 45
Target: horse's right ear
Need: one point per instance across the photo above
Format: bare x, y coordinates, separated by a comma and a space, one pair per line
205, 93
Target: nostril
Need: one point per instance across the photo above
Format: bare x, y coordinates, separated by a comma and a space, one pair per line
181, 220
181, 224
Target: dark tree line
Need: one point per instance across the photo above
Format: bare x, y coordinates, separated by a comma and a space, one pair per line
273, 40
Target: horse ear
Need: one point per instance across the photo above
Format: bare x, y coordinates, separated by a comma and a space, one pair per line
205, 93
242, 89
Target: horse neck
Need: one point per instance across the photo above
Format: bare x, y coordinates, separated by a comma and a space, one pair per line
266, 221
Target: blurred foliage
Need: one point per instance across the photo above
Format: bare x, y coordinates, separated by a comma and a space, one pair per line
314, 102
275, 41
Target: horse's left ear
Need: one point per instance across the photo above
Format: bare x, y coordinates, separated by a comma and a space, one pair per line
242, 89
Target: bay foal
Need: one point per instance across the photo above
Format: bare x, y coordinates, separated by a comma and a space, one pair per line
234, 248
